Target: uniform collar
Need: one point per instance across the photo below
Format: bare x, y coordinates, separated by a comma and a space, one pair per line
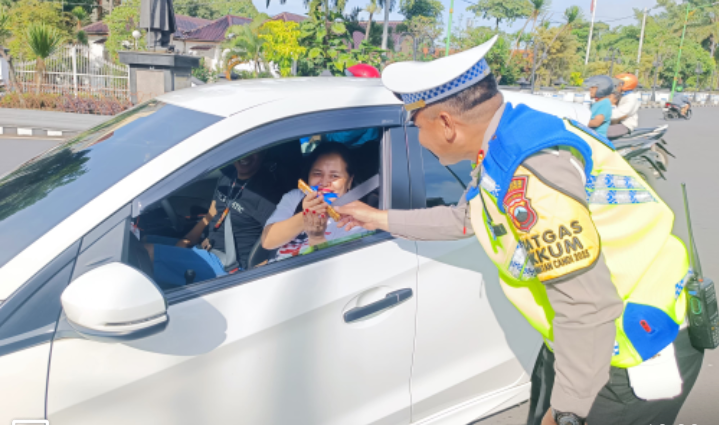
491, 129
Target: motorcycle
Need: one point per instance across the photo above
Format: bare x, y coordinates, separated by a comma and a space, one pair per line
674, 112
646, 152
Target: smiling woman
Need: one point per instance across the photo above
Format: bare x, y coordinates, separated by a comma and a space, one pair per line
303, 221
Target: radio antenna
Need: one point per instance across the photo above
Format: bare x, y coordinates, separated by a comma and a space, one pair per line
693, 256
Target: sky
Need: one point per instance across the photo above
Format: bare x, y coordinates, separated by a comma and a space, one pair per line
620, 12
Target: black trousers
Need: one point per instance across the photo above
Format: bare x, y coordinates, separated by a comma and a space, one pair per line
616, 403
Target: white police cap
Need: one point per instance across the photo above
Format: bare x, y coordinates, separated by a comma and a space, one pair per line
422, 83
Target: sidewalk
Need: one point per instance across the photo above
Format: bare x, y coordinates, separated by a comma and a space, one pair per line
30, 122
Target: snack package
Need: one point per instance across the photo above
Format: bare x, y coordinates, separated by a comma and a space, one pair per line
306, 189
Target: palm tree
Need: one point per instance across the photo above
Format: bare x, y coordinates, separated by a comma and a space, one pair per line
571, 15
5, 35
371, 8
81, 16
538, 7
387, 5
43, 41
245, 45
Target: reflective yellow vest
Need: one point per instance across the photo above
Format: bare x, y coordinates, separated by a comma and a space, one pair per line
550, 236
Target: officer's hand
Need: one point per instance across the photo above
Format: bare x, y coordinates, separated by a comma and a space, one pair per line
360, 214
549, 418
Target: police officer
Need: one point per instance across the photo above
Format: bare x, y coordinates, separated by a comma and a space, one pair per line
583, 246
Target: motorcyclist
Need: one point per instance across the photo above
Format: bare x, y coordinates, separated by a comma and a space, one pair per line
625, 116
600, 88
681, 101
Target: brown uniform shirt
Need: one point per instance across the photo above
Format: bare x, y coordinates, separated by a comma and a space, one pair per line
585, 306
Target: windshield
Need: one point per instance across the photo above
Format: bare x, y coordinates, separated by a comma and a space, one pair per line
47, 189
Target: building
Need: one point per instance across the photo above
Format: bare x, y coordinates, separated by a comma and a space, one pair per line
289, 17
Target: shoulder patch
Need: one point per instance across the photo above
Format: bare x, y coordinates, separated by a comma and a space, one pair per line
518, 206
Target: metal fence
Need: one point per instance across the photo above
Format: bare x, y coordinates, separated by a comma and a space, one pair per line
75, 70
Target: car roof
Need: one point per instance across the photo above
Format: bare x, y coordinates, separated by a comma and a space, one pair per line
226, 99
230, 98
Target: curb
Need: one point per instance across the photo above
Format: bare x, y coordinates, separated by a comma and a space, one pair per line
35, 132
661, 105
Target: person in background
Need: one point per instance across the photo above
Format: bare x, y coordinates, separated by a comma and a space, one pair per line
681, 100
245, 197
625, 117
600, 88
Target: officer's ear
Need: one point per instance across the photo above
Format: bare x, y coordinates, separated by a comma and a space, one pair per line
448, 125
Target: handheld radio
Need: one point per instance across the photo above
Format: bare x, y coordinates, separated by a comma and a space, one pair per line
702, 308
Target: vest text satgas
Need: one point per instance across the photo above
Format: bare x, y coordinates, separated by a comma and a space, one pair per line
550, 250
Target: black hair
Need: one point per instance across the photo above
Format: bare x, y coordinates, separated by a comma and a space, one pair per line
472, 96
327, 148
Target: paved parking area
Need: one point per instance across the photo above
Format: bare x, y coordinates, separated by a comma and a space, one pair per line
14, 152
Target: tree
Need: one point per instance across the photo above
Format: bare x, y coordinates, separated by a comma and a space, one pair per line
428, 8
538, 7
196, 8
28, 12
496, 58
5, 34
327, 41
388, 6
235, 7
43, 40
502, 10
281, 44
561, 55
371, 8
571, 15
121, 23
245, 45
81, 16
217, 9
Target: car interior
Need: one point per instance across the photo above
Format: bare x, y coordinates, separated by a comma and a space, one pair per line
175, 215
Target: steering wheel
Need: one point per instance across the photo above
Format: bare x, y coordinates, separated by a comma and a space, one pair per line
171, 215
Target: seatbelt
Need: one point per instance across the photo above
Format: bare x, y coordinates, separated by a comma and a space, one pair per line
229, 257
358, 192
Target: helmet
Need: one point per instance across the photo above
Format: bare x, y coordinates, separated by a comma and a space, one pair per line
362, 70
630, 81
603, 83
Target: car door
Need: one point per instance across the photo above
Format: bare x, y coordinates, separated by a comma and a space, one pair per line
474, 351
271, 345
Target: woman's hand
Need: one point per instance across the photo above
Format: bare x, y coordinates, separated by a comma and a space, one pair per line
315, 225
314, 203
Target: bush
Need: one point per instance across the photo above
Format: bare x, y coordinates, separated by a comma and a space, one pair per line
65, 102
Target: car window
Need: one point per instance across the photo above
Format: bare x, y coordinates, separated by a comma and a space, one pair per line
49, 188
443, 185
249, 212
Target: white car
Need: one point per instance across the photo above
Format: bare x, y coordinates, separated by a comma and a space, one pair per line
375, 330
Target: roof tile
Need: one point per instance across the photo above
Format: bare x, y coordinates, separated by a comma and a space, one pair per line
215, 30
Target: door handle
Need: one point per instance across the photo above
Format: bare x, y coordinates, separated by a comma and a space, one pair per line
390, 300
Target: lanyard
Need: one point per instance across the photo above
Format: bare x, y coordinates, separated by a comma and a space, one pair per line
229, 202
496, 230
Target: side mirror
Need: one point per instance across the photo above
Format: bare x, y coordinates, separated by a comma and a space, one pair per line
115, 302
